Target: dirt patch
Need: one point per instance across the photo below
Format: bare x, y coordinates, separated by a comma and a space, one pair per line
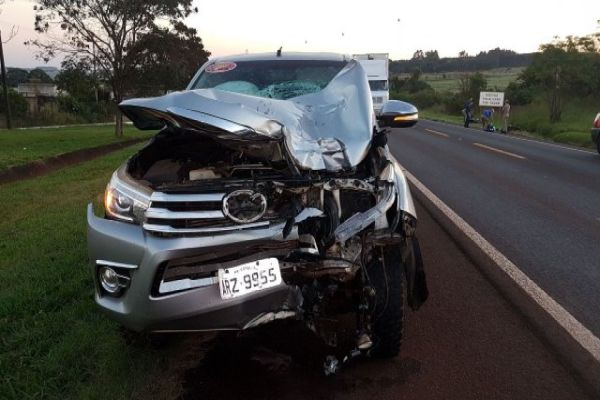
181, 353
284, 360
42, 167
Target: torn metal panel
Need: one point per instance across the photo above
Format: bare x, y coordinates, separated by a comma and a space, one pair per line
361, 221
327, 130
405, 201
269, 317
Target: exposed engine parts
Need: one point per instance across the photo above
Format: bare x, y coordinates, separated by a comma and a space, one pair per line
342, 222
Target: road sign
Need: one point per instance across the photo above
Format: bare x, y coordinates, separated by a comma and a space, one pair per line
491, 99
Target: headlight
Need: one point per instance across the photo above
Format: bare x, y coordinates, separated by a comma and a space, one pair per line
109, 280
123, 202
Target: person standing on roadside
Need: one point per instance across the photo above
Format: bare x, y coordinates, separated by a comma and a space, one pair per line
468, 112
505, 116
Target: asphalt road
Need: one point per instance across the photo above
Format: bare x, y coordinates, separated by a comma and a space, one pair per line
538, 203
467, 342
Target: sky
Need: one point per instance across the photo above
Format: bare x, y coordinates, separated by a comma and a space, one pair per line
396, 27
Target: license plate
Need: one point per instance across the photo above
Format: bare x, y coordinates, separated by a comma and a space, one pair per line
249, 278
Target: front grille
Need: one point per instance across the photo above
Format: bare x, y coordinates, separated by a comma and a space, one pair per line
188, 205
191, 214
377, 99
201, 270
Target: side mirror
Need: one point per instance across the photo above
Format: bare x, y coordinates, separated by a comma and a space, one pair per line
398, 114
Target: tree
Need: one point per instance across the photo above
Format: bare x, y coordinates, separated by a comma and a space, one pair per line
159, 56
76, 77
565, 67
418, 55
18, 103
104, 32
39, 75
470, 85
495, 58
15, 76
432, 55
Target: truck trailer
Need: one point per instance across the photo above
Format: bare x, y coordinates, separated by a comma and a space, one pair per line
376, 67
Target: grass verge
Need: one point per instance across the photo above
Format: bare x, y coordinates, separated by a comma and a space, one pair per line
55, 343
22, 146
530, 122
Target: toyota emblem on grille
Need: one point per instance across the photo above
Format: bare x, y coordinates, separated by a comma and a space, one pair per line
244, 206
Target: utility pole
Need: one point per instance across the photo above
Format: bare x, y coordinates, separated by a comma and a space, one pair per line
4, 87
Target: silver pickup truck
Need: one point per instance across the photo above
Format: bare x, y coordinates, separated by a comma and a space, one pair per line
268, 193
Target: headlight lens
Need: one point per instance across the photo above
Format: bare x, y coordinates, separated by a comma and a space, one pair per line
123, 202
109, 280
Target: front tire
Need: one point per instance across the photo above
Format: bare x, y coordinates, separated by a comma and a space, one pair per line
387, 278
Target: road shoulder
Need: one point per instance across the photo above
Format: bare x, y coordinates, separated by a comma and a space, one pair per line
567, 349
467, 342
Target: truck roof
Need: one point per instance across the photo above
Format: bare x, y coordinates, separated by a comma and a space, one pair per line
375, 69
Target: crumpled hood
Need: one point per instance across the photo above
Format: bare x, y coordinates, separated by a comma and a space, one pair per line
328, 130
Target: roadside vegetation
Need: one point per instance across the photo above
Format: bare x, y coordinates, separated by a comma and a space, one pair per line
55, 343
449, 82
22, 146
99, 68
555, 96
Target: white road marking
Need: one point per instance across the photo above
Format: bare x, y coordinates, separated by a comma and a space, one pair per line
572, 326
437, 133
506, 153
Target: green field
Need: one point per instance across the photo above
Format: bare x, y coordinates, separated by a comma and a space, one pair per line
532, 120
449, 81
19, 146
55, 342
529, 120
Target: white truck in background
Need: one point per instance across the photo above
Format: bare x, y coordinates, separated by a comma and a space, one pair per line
377, 68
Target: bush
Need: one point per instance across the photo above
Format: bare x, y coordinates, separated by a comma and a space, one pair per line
411, 85
453, 103
18, 104
50, 114
518, 94
86, 111
68, 104
470, 85
424, 99
416, 85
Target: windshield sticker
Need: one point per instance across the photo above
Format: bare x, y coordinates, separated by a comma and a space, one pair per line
220, 67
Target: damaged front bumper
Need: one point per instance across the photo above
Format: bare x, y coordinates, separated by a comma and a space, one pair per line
142, 257
169, 281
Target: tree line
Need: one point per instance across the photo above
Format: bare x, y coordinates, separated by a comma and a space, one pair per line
562, 71
430, 61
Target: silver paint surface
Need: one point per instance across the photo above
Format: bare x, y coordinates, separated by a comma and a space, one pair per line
328, 130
